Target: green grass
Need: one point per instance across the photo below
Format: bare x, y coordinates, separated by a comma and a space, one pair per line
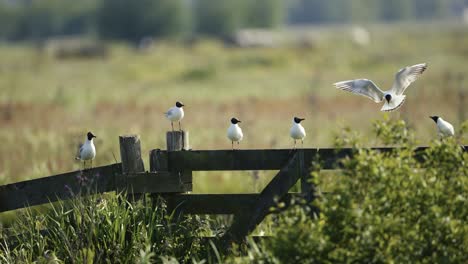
106, 228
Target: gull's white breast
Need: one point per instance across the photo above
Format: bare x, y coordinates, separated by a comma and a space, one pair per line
87, 151
445, 128
297, 131
395, 103
175, 114
234, 133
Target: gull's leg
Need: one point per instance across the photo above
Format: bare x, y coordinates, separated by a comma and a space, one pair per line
232, 143
302, 143
91, 164
172, 125
294, 144
180, 128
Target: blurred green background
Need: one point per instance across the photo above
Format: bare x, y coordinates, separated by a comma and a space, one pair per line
114, 66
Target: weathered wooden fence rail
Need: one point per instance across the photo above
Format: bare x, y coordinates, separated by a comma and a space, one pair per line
170, 175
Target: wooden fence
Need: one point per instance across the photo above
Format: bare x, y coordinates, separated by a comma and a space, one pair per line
170, 175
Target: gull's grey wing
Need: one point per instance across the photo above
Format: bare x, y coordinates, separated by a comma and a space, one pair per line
80, 149
169, 112
362, 87
406, 76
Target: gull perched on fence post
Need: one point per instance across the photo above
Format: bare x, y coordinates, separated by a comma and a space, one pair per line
297, 131
445, 128
234, 132
175, 113
394, 98
87, 151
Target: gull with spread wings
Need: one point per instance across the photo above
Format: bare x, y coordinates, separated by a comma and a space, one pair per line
394, 97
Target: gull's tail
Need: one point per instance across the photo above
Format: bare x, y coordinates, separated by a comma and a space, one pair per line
395, 103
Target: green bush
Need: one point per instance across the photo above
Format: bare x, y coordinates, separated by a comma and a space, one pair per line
222, 18
37, 20
393, 207
135, 19
266, 13
219, 18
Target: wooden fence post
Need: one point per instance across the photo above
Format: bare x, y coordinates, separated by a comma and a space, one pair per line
306, 184
130, 154
177, 140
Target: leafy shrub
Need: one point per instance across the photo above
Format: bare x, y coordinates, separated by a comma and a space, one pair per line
135, 19
220, 18
392, 207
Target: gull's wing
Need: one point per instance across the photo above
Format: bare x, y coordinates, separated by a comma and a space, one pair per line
362, 87
169, 112
80, 149
406, 76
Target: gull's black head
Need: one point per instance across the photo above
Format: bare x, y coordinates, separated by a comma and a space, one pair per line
435, 118
388, 97
235, 120
298, 120
90, 135
179, 104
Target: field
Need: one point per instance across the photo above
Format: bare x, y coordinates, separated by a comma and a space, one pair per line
48, 104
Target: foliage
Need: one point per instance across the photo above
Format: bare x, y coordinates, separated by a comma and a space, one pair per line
41, 19
393, 134
225, 17
135, 19
395, 10
265, 13
397, 207
432, 8
102, 229
220, 18
317, 11
336, 11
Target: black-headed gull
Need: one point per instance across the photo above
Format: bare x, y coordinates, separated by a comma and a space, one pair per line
444, 128
175, 114
234, 132
297, 131
87, 151
394, 97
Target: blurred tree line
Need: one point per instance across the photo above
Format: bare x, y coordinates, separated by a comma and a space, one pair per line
342, 11
134, 19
